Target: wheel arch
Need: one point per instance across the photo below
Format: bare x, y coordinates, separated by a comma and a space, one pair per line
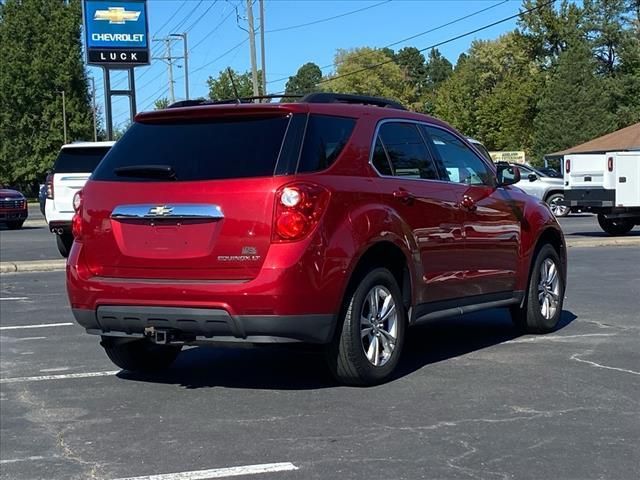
552, 192
385, 254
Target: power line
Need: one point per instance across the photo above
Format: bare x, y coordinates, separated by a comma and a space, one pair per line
213, 30
202, 15
184, 20
171, 17
444, 42
328, 18
431, 30
221, 56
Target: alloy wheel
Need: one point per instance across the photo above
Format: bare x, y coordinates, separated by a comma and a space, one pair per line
549, 289
379, 325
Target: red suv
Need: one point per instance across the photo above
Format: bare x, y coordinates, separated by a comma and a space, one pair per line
339, 220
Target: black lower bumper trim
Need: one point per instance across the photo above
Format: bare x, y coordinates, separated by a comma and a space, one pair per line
207, 323
589, 197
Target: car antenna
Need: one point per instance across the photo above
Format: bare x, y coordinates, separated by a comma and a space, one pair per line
233, 84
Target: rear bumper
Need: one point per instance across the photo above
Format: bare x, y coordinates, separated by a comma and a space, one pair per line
192, 325
589, 198
60, 226
13, 215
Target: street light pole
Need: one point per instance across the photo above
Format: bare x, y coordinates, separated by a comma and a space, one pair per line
186, 60
64, 116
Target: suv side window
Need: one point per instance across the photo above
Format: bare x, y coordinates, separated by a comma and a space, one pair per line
324, 140
380, 159
461, 163
407, 151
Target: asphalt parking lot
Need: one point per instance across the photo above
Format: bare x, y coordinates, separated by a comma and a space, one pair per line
471, 400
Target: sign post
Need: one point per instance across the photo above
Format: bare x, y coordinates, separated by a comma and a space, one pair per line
117, 38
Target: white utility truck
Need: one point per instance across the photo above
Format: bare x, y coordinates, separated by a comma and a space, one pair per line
607, 184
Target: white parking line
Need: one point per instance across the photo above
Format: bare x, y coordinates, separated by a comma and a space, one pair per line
42, 325
40, 378
14, 298
220, 472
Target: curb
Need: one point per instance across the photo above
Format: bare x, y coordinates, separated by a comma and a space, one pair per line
602, 242
33, 266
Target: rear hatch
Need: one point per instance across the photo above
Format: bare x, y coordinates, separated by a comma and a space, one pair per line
178, 198
71, 170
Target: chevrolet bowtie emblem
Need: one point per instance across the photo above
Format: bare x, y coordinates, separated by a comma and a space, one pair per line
161, 211
117, 15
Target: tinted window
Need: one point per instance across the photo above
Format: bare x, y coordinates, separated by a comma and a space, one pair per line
461, 163
380, 159
325, 138
407, 152
229, 148
79, 159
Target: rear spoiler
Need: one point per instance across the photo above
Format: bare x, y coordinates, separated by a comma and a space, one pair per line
203, 112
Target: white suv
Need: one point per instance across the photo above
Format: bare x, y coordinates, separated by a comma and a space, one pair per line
71, 170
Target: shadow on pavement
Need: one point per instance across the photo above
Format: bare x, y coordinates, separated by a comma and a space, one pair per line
632, 233
302, 367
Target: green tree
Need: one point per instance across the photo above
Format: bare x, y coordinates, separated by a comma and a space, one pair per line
41, 56
161, 103
304, 81
572, 108
367, 71
491, 94
221, 87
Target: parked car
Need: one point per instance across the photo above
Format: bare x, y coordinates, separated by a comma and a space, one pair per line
341, 220
546, 188
42, 198
72, 168
550, 172
13, 208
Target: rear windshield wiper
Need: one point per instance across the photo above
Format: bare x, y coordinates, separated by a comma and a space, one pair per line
164, 172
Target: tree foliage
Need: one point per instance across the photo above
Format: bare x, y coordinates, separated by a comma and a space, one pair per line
367, 71
161, 103
305, 80
222, 87
41, 56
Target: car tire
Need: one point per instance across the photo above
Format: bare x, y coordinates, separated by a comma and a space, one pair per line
16, 225
554, 204
139, 355
544, 297
615, 227
370, 333
64, 242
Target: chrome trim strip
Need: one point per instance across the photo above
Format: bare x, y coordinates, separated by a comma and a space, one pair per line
179, 211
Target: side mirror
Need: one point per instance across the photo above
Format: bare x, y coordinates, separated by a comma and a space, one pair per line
532, 177
507, 175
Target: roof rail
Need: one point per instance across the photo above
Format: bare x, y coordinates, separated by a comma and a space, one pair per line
323, 97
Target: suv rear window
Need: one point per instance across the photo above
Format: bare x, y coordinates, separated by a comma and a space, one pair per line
204, 150
79, 159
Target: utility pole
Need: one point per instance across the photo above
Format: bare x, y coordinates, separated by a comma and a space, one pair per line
172, 96
93, 103
186, 60
64, 116
264, 68
252, 45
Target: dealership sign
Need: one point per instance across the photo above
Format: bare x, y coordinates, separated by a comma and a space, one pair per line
116, 32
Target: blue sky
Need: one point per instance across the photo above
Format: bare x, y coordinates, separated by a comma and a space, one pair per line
215, 37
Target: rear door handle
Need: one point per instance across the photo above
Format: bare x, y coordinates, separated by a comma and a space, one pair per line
468, 204
403, 195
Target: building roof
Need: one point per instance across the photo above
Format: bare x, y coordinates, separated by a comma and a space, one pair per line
627, 138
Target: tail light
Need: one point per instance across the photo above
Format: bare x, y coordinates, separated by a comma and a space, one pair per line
299, 207
567, 166
76, 222
49, 186
610, 164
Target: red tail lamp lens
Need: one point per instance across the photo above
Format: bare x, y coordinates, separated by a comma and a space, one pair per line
610, 164
49, 186
568, 166
76, 222
298, 209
